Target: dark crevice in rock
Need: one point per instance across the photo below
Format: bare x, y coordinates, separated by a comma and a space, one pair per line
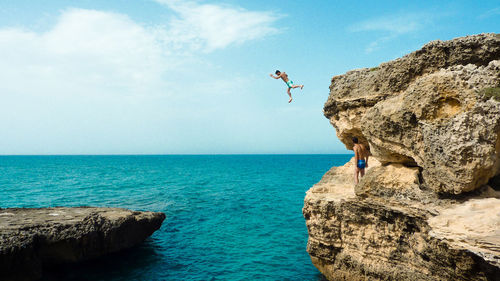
462, 197
494, 182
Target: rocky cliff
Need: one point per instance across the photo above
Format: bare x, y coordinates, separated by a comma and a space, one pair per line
33, 238
429, 205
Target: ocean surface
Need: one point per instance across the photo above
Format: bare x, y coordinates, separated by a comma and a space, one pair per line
229, 217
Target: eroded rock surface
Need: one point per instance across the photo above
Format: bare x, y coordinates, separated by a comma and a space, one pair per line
443, 125
382, 230
429, 208
32, 238
426, 109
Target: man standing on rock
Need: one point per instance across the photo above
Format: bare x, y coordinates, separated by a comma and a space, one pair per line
288, 82
360, 159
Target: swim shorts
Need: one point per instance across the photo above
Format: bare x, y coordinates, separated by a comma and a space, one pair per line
289, 83
361, 163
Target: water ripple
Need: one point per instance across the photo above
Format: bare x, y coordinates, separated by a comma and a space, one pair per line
228, 217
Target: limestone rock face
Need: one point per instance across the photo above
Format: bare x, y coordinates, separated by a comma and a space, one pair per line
383, 230
32, 238
428, 207
426, 109
443, 125
393, 180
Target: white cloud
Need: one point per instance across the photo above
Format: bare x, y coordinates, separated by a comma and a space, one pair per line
209, 26
400, 24
490, 13
102, 52
101, 80
392, 26
96, 51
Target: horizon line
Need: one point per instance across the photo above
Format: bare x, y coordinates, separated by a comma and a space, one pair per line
176, 154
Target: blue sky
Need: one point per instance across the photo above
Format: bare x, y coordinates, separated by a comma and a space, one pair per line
192, 77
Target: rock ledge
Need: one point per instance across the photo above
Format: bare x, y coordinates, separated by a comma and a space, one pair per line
33, 238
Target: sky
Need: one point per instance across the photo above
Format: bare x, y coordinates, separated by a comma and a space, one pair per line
192, 77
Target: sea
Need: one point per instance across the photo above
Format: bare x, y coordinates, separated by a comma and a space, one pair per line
228, 217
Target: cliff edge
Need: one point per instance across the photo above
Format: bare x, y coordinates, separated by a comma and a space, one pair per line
428, 207
33, 238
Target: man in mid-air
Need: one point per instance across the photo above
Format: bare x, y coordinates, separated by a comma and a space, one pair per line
288, 82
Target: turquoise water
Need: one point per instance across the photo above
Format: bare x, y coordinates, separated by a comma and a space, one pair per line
229, 217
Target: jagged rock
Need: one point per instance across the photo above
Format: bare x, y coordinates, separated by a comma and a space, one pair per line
393, 180
33, 238
384, 237
444, 126
365, 87
426, 109
339, 180
428, 208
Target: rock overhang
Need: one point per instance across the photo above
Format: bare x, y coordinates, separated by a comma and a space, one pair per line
432, 121
426, 109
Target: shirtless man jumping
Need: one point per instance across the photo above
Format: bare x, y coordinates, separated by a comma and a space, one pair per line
289, 83
360, 159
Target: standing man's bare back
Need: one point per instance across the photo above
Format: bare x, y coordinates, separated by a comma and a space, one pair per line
361, 155
287, 81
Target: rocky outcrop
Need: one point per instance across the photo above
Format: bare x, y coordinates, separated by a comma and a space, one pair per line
383, 231
426, 109
428, 207
33, 238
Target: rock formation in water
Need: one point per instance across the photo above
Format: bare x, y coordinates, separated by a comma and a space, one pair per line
33, 238
429, 205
